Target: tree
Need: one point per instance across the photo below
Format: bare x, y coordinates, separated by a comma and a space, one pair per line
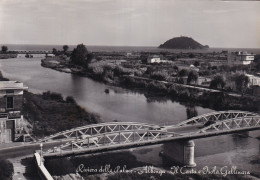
217, 82
191, 112
54, 51
183, 73
6, 169
65, 48
144, 58
191, 55
192, 77
241, 82
79, 55
196, 63
4, 49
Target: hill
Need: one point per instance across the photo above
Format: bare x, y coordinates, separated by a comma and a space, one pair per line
182, 43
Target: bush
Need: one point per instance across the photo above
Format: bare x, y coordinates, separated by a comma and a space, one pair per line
159, 75
52, 96
6, 169
183, 72
192, 77
70, 100
217, 82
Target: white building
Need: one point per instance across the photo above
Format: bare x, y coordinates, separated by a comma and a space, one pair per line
154, 59
157, 59
253, 80
243, 58
11, 100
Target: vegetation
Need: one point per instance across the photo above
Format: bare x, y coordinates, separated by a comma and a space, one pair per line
2, 78
65, 48
107, 69
54, 51
80, 56
192, 77
217, 82
4, 49
241, 81
47, 111
6, 169
183, 72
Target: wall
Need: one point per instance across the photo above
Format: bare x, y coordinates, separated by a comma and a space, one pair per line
42, 171
18, 102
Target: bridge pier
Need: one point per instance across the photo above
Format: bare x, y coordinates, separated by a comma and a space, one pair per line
181, 152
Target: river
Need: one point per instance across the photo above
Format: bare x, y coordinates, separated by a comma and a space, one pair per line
123, 105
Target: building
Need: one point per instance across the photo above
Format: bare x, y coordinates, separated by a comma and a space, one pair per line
243, 58
11, 101
253, 80
157, 59
153, 59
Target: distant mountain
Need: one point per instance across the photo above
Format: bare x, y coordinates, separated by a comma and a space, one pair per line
182, 43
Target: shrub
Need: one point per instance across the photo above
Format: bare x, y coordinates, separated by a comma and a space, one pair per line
192, 77
6, 169
217, 82
159, 75
53, 96
183, 72
70, 100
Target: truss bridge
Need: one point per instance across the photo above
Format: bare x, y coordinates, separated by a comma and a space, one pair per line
122, 135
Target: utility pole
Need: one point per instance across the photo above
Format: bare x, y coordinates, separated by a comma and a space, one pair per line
41, 154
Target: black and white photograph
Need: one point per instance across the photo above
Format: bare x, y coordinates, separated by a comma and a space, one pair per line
129, 89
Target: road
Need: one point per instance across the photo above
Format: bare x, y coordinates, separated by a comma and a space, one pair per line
26, 149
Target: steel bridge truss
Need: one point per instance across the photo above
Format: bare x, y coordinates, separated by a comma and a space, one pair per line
112, 139
233, 124
126, 138
215, 117
97, 129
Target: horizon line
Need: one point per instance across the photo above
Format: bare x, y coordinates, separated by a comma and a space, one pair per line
1, 44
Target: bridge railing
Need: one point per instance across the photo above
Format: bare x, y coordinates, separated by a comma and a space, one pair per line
213, 116
113, 139
128, 138
231, 124
101, 128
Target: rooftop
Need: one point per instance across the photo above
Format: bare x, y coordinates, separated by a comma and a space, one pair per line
12, 85
240, 53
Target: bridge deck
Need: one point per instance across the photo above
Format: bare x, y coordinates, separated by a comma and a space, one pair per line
142, 137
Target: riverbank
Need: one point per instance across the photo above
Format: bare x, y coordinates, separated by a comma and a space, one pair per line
46, 112
129, 78
7, 56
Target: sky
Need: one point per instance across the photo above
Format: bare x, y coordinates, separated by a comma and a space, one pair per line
217, 23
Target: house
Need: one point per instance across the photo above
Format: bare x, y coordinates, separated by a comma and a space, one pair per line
49, 55
153, 59
11, 101
253, 80
243, 58
157, 59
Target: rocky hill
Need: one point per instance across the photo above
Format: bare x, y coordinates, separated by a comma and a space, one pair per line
182, 43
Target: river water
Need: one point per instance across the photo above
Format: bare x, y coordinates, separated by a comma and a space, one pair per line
123, 105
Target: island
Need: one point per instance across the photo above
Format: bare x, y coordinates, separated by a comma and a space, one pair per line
182, 43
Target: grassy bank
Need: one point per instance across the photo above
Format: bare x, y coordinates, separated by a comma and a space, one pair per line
177, 92
50, 113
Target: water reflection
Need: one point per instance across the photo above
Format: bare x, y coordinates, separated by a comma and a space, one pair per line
191, 111
240, 139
